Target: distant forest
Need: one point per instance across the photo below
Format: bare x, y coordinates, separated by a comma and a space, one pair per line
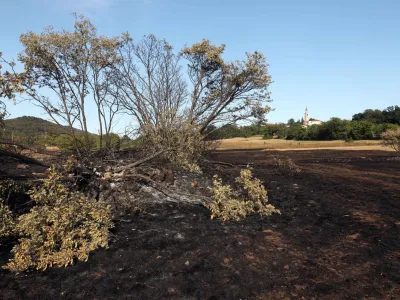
366, 125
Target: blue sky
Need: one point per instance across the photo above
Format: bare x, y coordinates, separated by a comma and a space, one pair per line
336, 57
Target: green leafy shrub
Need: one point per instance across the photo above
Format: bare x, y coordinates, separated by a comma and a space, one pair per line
61, 227
66, 142
229, 204
6, 220
349, 140
296, 132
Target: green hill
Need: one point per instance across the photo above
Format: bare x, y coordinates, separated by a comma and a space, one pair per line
33, 131
26, 125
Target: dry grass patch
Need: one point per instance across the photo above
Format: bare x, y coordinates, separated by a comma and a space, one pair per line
256, 142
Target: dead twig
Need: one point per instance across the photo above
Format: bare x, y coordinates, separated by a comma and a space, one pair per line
23, 158
142, 161
218, 163
154, 184
222, 163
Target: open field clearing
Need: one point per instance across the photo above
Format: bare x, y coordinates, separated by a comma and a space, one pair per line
257, 142
337, 238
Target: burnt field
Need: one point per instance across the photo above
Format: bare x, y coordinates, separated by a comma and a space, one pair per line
337, 238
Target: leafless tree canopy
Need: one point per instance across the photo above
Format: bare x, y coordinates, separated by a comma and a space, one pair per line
155, 93
150, 83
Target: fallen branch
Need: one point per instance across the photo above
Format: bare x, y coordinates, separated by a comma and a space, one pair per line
142, 161
137, 176
226, 163
155, 185
218, 162
22, 158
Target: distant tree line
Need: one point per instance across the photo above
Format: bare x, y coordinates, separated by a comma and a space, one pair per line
390, 115
338, 129
367, 125
233, 131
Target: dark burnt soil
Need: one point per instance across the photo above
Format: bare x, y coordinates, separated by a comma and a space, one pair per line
11, 168
337, 238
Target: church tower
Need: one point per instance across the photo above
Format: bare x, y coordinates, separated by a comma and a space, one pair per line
306, 117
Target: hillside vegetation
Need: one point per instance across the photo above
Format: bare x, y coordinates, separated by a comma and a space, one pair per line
37, 132
28, 125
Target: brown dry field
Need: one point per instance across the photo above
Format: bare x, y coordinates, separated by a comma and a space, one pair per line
256, 142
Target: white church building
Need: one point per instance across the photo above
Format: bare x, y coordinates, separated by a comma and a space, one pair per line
308, 122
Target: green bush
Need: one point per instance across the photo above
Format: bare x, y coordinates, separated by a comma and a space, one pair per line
229, 204
296, 132
114, 140
61, 227
279, 131
224, 132
66, 142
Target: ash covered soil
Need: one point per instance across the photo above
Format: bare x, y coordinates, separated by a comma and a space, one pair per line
337, 238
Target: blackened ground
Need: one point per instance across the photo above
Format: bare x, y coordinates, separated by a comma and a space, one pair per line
11, 168
337, 238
